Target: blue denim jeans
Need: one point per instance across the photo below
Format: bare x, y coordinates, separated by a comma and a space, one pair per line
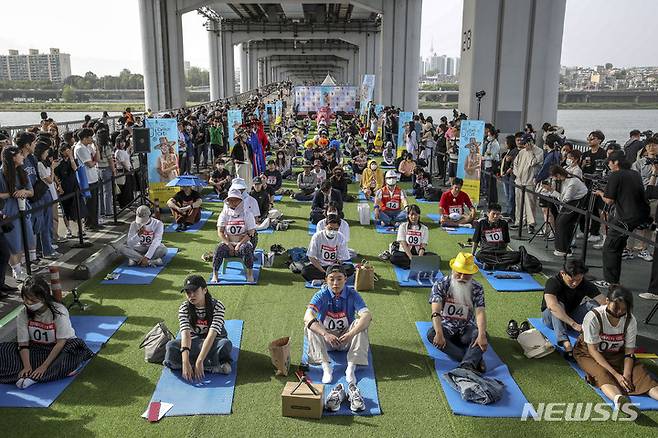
219, 353
560, 328
510, 201
392, 217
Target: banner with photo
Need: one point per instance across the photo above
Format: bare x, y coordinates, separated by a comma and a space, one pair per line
367, 92
378, 109
234, 121
162, 161
312, 98
278, 111
471, 136
269, 111
404, 119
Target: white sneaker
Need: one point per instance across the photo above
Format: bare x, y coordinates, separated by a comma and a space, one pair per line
131, 262
354, 396
20, 277
25, 383
601, 284
594, 239
559, 253
156, 262
649, 296
644, 255
335, 398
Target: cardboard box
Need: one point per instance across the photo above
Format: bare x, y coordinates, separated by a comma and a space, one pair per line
302, 403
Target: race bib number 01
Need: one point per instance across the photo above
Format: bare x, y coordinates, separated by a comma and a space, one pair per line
455, 311
328, 253
494, 235
41, 333
336, 321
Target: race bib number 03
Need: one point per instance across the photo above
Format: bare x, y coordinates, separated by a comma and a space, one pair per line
41, 333
336, 321
455, 311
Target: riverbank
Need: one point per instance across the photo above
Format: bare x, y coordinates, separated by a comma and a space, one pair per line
562, 106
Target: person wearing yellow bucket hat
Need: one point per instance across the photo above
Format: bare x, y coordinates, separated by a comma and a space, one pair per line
459, 322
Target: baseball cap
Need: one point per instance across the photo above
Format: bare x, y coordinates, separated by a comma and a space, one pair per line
234, 193
193, 282
258, 180
335, 268
142, 214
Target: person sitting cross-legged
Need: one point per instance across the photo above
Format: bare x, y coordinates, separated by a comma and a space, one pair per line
185, 206
459, 321
203, 346
144, 246
235, 227
390, 202
563, 305
327, 247
605, 350
491, 235
307, 183
455, 206
337, 318
413, 237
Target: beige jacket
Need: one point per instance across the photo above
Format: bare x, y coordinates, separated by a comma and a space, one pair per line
525, 165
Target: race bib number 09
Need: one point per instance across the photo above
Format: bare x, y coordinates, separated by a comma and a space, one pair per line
414, 238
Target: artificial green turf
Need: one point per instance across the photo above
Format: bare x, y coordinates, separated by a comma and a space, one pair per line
111, 393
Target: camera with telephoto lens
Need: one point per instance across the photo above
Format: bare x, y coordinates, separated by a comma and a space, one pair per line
480, 94
650, 161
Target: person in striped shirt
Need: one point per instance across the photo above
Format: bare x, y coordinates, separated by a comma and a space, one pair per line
203, 345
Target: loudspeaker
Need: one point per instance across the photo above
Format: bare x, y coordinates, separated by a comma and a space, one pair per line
141, 140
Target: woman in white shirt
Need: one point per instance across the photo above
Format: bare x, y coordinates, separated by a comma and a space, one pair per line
605, 350
413, 238
46, 348
45, 167
123, 166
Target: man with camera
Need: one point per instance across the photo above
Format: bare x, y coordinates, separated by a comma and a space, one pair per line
592, 167
624, 191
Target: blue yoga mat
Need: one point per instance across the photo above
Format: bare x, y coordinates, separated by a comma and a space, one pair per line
138, 275
266, 231
213, 396
95, 331
466, 231
278, 198
386, 229
386, 166
524, 284
645, 402
235, 274
365, 376
425, 201
511, 405
212, 197
205, 215
312, 228
403, 278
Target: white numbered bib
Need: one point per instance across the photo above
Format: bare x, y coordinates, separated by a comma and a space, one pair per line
494, 235
455, 209
329, 253
336, 321
393, 205
201, 327
146, 238
611, 343
271, 180
41, 332
414, 237
235, 227
455, 311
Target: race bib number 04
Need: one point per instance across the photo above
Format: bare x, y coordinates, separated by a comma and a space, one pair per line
455, 311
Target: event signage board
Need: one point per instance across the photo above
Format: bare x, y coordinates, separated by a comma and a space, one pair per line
471, 136
163, 140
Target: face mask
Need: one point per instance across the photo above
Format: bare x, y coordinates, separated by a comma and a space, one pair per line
330, 233
390, 181
373, 166
35, 307
569, 162
490, 138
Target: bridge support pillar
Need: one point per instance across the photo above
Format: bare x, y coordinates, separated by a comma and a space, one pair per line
512, 52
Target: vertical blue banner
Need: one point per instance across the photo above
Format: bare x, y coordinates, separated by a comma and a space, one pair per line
278, 111
367, 92
234, 122
404, 119
471, 136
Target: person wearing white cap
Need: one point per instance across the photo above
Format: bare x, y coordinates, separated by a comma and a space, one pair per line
144, 244
235, 227
390, 201
459, 323
250, 203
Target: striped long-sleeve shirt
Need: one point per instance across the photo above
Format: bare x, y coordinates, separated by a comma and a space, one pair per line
202, 324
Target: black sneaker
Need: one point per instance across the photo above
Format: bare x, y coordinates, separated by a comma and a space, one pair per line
514, 227
513, 329
525, 326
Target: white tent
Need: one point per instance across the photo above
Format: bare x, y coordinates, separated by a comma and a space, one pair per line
329, 80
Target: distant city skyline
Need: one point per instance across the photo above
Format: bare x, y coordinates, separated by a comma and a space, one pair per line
595, 32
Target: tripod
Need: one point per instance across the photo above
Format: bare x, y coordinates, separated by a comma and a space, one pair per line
545, 228
76, 301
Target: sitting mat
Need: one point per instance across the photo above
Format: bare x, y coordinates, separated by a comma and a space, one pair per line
383, 229
524, 284
213, 396
644, 402
403, 278
95, 331
510, 406
436, 218
235, 273
312, 228
205, 215
278, 198
425, 201
269, 230
139, 275
212, 197
365, 376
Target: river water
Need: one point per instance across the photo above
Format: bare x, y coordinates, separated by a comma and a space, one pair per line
615, 124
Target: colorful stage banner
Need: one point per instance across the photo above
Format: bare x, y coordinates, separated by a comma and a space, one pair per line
312, 98
278, 111
378, 109
162, 161
234, 122
269, 110
367, 93
404, 119
471, 136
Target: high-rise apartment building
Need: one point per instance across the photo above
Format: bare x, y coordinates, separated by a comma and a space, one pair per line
34, 66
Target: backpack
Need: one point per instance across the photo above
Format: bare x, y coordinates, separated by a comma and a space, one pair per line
529, 263
155, 343
432, 194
